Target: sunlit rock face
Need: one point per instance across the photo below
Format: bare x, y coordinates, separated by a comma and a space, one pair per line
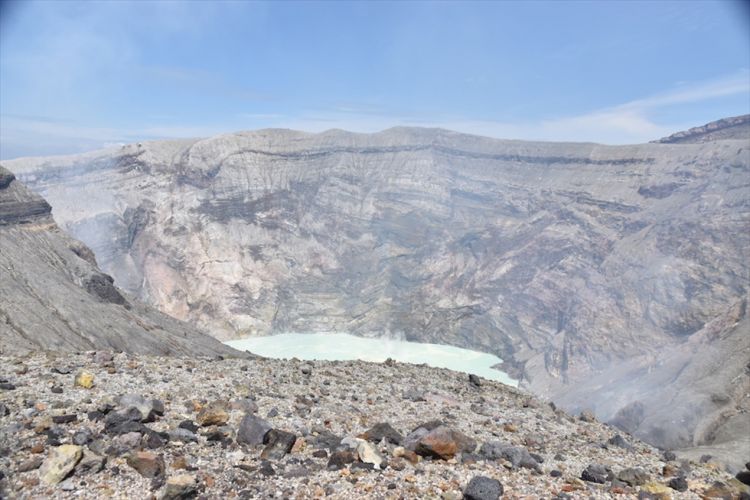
585, 267
735, 127
53, 296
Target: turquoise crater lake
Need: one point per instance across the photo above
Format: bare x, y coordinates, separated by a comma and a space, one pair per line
342, 347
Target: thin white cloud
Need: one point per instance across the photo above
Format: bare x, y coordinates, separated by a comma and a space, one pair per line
632, 121
731, 85
627, 123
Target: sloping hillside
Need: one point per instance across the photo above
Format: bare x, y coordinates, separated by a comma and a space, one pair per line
53, 296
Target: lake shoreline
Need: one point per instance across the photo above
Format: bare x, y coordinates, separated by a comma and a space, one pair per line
345, 347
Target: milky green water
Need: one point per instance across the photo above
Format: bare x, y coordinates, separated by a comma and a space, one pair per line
341, 347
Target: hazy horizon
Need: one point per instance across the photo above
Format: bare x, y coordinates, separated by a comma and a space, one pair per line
78, 76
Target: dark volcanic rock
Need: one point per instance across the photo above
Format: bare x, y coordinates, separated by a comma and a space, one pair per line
121, 422
55, 435
102, 286
189, 425
65, 419
154, 440
340, 459
278, 443
327, 440
678, 483
82, 436
266, 468
483, 488
596, 473
383, 431
252, 430
516, 455
6, 177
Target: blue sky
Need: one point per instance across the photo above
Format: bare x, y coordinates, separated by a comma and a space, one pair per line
78, 76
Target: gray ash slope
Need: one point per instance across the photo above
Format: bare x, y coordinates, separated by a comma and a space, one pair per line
185, 428
53, 296
611, 277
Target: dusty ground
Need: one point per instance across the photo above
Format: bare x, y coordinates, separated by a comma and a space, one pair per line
539, 452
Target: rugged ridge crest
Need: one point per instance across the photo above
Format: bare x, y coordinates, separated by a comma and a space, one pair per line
736, 127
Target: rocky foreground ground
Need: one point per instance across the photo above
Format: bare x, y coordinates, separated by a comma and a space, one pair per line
94, 425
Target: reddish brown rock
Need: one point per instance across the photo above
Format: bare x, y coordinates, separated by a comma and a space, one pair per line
147, 464
443, 442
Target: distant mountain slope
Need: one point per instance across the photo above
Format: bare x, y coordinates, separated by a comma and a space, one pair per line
53, 297
737, 127
593, 271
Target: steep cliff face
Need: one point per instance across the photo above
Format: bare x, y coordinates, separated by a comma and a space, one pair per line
570, 261
53, 297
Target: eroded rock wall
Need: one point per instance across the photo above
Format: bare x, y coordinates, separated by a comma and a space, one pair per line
570, 261
53, 297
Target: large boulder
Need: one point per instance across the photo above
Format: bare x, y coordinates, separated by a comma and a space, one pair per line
444, 442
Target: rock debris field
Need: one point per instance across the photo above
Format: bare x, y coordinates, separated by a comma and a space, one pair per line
97, 424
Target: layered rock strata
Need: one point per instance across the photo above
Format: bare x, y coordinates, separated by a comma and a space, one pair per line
609, 277
53, 296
